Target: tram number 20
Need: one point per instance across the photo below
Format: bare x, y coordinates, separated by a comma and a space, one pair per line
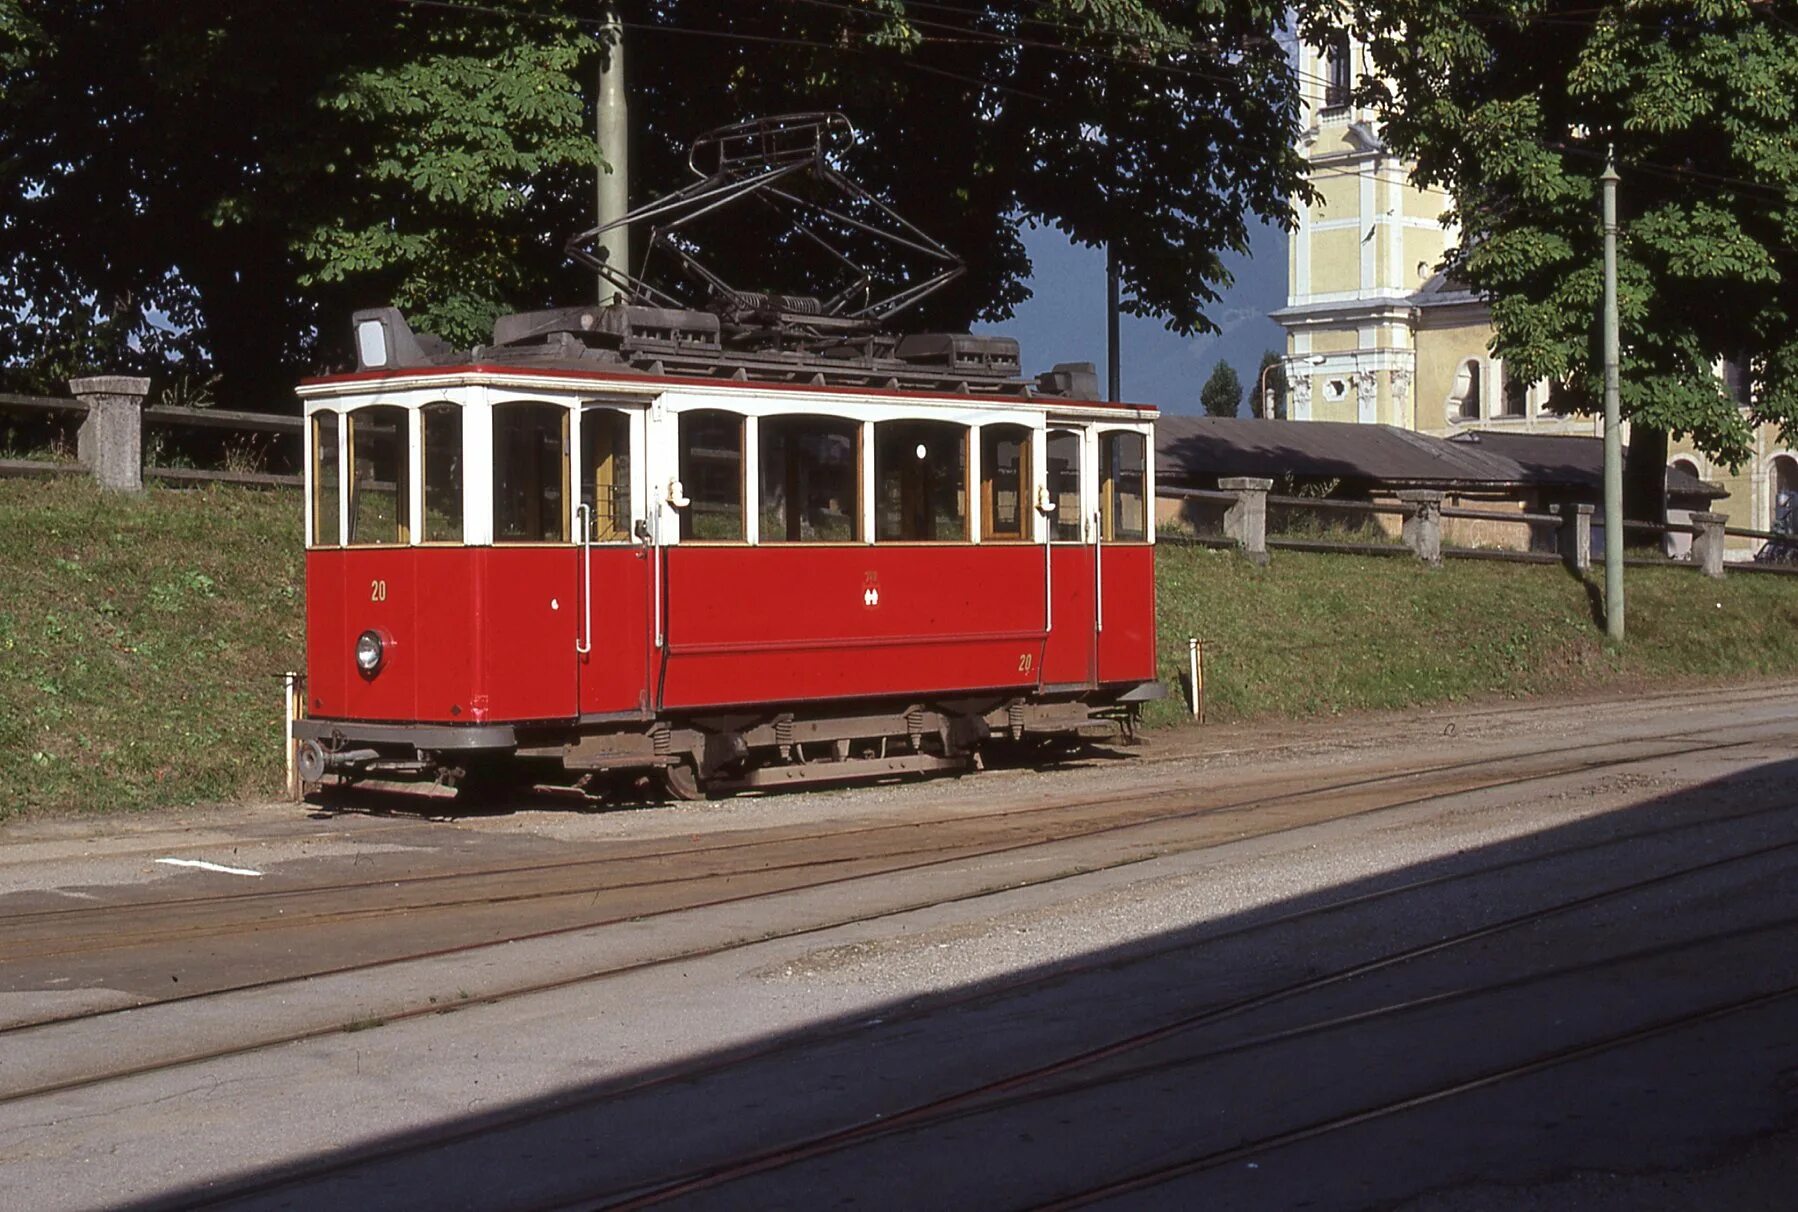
1025, 662
377, 591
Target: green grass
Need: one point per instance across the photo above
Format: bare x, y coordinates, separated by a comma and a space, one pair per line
141, 639
1317, 634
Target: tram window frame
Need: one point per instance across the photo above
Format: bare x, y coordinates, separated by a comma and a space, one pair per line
535, 496
450, 449
360, 421
327, 478
1111, 500
776, 437
1023, 490
896, 446
617, 525
707, 489
1067, 520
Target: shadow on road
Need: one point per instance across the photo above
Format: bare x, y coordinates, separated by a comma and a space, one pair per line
1579, 998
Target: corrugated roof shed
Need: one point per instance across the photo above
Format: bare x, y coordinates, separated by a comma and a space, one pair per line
1194, 448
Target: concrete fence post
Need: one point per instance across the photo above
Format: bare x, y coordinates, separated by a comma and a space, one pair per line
111, 439
1423, 523
1707, 544
1245, 521
1576, 535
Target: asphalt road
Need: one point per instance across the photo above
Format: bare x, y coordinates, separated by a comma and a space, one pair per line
1540, 957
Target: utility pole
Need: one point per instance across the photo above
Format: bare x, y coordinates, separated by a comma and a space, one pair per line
1113, 370
612, 131
1613, 423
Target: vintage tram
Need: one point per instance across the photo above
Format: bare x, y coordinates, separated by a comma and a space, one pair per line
748, 545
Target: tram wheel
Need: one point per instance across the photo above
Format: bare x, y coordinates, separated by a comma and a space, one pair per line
681, 782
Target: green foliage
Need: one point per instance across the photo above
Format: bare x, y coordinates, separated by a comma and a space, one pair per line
1270, 384
1511, 104
212, 183
1222, 393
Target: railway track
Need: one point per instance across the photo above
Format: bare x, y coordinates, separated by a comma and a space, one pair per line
972, 1099
1386, 792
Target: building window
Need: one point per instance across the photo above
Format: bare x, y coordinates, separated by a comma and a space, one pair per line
1517, 397
1063, 476
920, 481
327, 527
442, 426
810, 480
711, 474
1783, 488
606, 473
530, 473
1738, 381
1464, 399
380, 492
1005, 483
1122, 462
1338, 74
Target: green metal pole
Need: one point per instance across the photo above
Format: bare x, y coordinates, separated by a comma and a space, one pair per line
1613, 423
613, 134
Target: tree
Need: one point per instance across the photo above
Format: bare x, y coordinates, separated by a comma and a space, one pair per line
1222, 393
1272, 378
199, 185
1511, 105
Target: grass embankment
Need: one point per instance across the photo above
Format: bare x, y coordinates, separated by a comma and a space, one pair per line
1315, 634
141, 638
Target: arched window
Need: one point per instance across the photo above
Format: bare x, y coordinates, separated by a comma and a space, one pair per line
530, 472
380, 489
1063, 476
711, 474
920, 481
606, 473
1783, 488
1464, 398
810, 479
442, 429
327, 525
1006, 483
1122, 461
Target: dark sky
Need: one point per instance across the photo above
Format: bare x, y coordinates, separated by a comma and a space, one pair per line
1065, 322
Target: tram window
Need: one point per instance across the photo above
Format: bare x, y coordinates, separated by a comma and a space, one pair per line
606, 473
442, 522
1005, 482
380, 492
530, 473
1064, 485
711, 474
809, 480
920, 481
1121, 468
327, 529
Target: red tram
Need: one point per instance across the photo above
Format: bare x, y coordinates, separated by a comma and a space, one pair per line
529, 554
743, 540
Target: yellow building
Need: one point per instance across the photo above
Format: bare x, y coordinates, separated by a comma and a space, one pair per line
1376, 334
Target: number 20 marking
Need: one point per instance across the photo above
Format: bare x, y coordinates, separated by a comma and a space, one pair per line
1024, 663
377, 591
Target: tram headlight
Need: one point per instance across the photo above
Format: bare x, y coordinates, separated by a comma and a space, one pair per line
370, 652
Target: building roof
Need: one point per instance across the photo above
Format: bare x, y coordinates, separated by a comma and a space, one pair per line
1206, 447
1191, 449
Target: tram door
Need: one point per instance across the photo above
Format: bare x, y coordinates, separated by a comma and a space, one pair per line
613, 651
1070, 655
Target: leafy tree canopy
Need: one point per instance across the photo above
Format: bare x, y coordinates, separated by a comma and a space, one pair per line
1511, 104
1222, 393
219, 185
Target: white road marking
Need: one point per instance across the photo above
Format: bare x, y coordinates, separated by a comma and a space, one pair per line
203, 865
